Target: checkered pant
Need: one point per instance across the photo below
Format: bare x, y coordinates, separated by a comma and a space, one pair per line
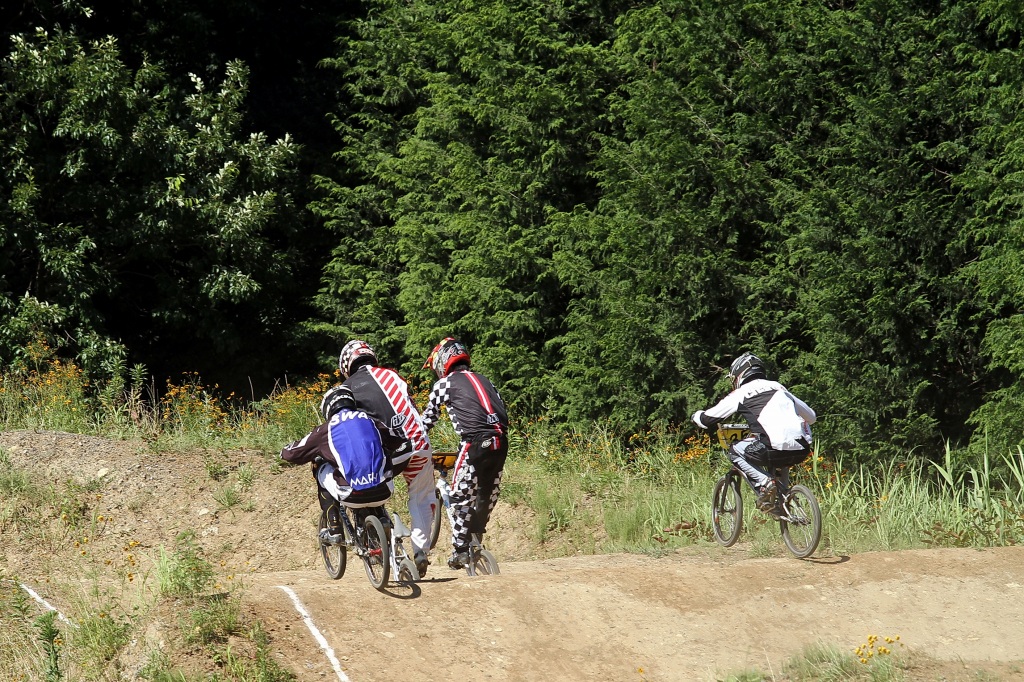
475, 487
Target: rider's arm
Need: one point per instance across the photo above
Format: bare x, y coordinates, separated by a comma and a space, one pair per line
309, 447
397, 449
803, 409
433, 410
720, 412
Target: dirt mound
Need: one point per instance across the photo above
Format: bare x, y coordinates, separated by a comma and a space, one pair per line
690, 615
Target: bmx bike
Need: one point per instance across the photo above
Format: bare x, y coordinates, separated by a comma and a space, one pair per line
377, 537
796, 508
482, 561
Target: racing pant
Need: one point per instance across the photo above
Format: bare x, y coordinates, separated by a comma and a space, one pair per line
419, 477
330, 495
476, 481
737, 451
754, 459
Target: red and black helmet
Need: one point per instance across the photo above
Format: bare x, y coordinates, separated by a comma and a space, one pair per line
446, 354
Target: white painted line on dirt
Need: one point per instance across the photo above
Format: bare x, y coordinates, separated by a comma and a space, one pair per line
321, 640
49, 607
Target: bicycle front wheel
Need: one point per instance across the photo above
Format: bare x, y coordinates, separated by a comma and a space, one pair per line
483, 563
435, 526
727, 510
377, 559
333, 555
801, 531
407, 571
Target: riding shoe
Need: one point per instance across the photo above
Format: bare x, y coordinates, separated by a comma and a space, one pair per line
331, 537
421, 563
459, 559
766, 496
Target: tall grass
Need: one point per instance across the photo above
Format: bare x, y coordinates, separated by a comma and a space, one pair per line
583, 490
587, 489
45, 392
651, 492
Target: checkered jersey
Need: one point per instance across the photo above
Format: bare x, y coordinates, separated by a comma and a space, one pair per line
473, 405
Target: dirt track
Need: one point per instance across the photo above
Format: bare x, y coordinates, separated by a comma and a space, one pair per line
624, 617
696, 614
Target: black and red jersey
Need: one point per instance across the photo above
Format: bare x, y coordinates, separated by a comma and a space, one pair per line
384, 395
474, 406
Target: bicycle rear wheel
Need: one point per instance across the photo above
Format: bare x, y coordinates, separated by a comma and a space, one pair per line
377, 559
334, 555
802, 531
727, 510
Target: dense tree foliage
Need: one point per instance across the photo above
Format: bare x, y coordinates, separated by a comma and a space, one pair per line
607, 200
144, 217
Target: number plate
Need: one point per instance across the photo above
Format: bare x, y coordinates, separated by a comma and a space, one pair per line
731, 433
444, 460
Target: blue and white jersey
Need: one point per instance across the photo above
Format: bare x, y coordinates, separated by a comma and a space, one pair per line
356, 446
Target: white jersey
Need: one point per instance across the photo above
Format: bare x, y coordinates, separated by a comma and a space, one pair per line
771, 412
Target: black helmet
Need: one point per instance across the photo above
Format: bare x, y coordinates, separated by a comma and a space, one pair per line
746, 366
355, 353
338, 398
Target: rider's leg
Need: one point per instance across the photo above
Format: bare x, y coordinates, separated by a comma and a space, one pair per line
782, 473
750, 456
490, 466
757, 476
419, 477
464, 491
326, 492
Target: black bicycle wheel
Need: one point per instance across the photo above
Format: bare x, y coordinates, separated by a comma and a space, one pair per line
334, 555
435, 526
801, 531
377, 559
727, 510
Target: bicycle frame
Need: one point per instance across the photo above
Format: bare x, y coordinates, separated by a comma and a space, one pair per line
387, 558
796, 508
783, 491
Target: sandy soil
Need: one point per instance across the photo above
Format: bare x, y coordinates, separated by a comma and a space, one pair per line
695, 614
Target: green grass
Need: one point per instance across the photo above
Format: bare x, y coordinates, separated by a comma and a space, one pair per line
657, 495
826, 663
184, 571
877, 660
586, 490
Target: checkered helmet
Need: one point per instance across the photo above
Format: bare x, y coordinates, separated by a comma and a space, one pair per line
446, 354
355, 352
